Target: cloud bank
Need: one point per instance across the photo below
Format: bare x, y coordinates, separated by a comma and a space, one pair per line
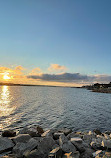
21, 75
72, 77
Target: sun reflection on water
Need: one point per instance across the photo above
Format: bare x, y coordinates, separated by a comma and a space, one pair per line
5, 107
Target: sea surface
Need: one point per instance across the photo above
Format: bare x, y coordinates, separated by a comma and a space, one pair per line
54, 107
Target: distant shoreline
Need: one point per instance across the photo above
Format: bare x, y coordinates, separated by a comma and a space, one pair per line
12, 84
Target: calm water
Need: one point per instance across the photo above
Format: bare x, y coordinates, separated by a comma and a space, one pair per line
52, 107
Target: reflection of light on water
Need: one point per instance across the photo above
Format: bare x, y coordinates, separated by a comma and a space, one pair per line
5, 107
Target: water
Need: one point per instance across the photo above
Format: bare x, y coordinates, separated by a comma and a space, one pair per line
54, 107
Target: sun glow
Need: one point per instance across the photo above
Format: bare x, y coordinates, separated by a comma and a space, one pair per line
6, 77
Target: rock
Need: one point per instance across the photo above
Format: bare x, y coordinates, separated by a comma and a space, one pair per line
72, 155
106, 136
73, 134
62, 139
96, 153
5, 144
56, 153
21, 148
9, 156
65, 131
46, 133
96, 144
76, 139
97, 131
87, 154
8, 133
107, 132
88, 138
40, 130
57, 135
32, 131
46, 144
106, 143
107, 154
21, 138
66, 145
34, 154
79, 146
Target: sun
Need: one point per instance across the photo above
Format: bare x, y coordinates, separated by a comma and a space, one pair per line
6, 77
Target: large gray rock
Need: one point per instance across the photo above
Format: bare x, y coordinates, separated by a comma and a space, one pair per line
5, 144
9, 156
57, 135
56, 153
96, 153
44, 147
46, 133
66, 145
74, 134
106, 136
88, 138
21, 148
72, 155
76, 140
96, 143
87, 154
66, 131
46, 144
21, 138
34, 154
106, 144
32, 131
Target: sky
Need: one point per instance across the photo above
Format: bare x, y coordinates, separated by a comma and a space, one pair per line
61, 42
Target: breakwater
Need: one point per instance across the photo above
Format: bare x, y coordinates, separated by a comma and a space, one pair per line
34, 142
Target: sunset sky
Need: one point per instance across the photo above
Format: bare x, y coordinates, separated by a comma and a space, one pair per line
61, 42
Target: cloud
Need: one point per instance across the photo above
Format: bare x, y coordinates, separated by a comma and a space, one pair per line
17, 71
57, 67
63, 77
35, 71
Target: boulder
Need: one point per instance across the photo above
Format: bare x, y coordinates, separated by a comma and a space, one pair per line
72, 155
34, 154
46, 145
56, 153
88, 138
57, 135
21, 148
66, 131
97, 153
5, 144
106, 136
87, 154
96, 144
106, 144
107, 132
97, 131
32, 131
8, 133
74, 134
66, 145
46, 133
76, 139
21, 138
79, 146
9, 156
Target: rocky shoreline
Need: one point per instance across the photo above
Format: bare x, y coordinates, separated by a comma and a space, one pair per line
34, 142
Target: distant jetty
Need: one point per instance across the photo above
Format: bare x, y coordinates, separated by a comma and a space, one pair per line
34, 142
